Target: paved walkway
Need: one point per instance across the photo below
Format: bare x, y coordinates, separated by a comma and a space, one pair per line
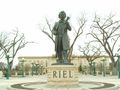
14, 80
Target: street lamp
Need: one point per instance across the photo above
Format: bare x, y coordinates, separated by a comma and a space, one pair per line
46, 66
90, 67
37, 68
103, 67
41, 69
22, 64
94, 69
33, 68
118, 61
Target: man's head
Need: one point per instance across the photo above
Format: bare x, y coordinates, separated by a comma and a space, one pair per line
62, 15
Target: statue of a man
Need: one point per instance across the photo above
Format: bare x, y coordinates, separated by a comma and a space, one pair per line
62, 42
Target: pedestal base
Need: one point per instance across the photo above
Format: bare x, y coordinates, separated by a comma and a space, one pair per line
62, 75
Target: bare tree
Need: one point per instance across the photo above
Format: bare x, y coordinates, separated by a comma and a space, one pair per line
48, 31
78, 32
11, 44
3, 43
91, 53
106, 32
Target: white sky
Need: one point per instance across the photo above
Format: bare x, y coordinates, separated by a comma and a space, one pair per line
28, 14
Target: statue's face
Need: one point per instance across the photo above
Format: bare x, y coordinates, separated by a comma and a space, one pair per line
62, 18
62, 15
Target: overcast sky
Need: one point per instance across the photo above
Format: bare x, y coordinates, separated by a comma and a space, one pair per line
27, 15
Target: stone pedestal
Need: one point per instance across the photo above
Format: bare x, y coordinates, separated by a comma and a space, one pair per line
62, 75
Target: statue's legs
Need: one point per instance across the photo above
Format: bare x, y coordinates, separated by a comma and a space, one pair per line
65, 60
59, 57
60, 49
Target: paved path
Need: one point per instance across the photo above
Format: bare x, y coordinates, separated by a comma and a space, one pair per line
14, 80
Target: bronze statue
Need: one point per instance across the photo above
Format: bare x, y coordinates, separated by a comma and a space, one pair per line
62, 42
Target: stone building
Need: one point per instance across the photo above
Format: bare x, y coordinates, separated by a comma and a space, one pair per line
48, 60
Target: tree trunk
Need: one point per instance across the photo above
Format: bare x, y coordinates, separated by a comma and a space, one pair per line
90, 64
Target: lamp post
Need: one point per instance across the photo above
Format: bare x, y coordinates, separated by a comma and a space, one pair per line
119, 66
37, 68
94, 69
46, 66
91, 67
118, 60
33, 68
41, 69
103, 67
22, 64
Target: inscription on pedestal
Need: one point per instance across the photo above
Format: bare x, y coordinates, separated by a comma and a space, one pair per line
63, 74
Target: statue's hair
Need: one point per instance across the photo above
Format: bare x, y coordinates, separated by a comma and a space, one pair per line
62, 14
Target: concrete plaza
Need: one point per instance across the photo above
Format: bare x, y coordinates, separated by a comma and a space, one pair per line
6, 84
